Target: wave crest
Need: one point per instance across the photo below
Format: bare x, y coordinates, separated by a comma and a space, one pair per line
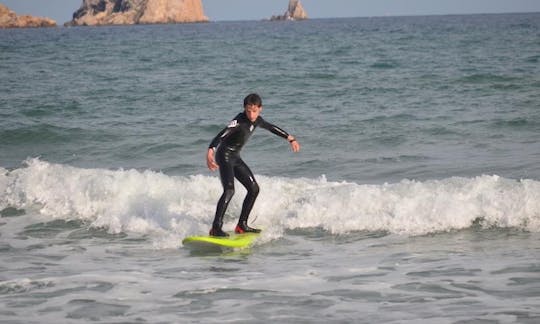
153, 203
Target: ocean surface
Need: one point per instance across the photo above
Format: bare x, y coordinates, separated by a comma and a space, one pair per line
415, 197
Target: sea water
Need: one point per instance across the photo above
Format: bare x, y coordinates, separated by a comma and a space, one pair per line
415, 197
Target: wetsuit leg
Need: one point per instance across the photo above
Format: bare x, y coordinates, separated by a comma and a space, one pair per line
246, 178
226, 172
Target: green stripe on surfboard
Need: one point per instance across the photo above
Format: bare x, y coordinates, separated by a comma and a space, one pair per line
233, 241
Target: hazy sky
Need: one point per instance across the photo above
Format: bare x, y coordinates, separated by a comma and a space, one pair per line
216, 10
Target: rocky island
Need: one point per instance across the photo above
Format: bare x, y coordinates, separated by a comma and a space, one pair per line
295, 11
130, 12
9, 19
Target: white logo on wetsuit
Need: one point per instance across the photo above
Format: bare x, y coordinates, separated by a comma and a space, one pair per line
233, 124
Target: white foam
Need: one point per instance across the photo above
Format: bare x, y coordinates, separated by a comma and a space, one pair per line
23, 285
169, 208
411, 207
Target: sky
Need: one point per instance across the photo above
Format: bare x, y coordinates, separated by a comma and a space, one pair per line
222, 10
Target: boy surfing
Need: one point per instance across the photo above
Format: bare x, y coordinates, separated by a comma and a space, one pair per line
224, 154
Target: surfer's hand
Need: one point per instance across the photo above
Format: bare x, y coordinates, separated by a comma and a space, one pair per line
210, 162
295, 146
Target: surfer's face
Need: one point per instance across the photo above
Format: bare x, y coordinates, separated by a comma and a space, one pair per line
253, 112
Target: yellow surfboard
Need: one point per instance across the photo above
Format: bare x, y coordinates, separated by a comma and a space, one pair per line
234, 241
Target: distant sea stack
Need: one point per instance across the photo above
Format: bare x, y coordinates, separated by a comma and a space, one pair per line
9, 19
130, 12
294, 12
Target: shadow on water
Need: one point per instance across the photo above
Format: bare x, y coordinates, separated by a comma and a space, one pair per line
218, 251
12, 212
49, 229
74, 230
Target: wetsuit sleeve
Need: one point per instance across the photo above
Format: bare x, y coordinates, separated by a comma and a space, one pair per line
273, 128
224, 133
215, 142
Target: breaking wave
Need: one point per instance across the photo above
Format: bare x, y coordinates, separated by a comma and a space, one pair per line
171, 207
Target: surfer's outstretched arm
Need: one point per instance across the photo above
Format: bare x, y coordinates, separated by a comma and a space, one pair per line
295, 146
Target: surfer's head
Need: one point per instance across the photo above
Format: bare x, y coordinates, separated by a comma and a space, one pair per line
253, 106
253, 99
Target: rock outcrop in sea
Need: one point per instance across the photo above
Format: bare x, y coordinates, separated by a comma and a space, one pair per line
295, 11
130, 12
9, 19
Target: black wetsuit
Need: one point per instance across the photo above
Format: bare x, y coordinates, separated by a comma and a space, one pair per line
227, 145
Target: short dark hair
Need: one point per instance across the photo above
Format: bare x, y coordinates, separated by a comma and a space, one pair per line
253, 99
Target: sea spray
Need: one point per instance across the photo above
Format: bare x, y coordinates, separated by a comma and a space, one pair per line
119, 200
416, 208
169, 207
